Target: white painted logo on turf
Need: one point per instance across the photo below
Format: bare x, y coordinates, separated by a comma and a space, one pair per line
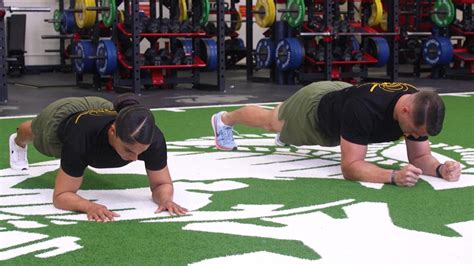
257, 158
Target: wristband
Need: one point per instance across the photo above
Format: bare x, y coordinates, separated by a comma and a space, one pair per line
392, 177
438, 173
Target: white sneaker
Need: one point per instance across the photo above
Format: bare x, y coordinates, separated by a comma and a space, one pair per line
18, 155
280, 143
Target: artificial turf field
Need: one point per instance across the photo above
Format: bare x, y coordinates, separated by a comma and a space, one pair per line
260, 205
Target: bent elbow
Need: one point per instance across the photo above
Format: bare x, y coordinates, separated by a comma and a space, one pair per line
346, 173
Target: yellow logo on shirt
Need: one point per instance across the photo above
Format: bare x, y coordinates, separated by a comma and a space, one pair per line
95, 112
389, 86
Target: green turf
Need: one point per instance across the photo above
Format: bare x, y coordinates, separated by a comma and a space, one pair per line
133, 242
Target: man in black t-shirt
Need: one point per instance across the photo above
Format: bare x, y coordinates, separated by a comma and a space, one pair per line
337, 113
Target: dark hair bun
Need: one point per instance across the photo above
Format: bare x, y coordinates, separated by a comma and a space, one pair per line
125, 100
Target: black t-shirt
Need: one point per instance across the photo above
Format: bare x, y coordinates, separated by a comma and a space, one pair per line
85, 142
363, 114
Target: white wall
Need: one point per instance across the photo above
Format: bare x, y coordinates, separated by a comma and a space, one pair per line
35, 27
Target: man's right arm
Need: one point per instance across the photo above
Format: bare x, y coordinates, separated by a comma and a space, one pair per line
65, 197
354, 167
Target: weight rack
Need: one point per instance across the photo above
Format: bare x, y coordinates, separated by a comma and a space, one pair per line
135, 81
329, 65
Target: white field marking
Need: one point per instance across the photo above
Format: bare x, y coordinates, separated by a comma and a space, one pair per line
26, 224
58, 222
368, 231
267, 107
2, 228
261, 149
246, 211
14, 238
136, 204
439, 145
4, 217
460, 94
61, 245
388, 162
248, 136
175, 110
450, 148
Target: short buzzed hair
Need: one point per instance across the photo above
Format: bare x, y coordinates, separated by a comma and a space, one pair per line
428, 110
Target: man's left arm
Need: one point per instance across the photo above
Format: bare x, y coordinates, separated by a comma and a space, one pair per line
162, 191
419, 154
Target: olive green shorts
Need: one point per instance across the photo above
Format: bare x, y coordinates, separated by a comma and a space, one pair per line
45, 125
301, 125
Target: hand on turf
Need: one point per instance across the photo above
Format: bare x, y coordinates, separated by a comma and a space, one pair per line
100, 213
408, 175
451, 171
173, 208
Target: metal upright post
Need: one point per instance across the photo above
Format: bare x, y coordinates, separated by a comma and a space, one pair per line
249, 35
3, 50
220, 46
393, 21
136, 84
328, 19
62, 45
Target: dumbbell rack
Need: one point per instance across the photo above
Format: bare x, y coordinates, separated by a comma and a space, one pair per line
135, 81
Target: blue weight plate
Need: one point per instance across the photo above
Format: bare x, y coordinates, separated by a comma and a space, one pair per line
289, 54
266, 53
209, 52
84, 49
67, 22
380, 50
107, 66
437, 51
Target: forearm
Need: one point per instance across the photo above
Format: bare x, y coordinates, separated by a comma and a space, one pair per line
427, 163
366, 172
162, 193
70, 201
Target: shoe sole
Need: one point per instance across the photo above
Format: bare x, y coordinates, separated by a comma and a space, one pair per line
22, 168
213, 123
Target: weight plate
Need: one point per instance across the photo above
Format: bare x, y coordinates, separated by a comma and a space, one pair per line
183, 11
297, 12
84, 49
443, 13
67, 22
265, 53
208, 50
57, 17
289, 54
378, 47
376, 13
86, 18
206, 8
438, 51
121, 16
108, 17
266, 16
108, 65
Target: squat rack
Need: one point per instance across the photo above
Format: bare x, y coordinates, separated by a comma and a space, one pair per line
3, 50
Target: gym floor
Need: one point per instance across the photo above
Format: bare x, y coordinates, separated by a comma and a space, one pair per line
29, 94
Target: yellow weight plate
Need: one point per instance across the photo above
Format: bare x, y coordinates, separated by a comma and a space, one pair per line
267, 18
86, 18
183, 11
383, 22
376, 14
238, 21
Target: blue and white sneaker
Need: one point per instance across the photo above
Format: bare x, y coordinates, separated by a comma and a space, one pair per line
224, 135
18, 155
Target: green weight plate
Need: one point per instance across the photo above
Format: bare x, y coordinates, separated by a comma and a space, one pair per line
108, 17
205, 12
57, 17
444, 13
296, 16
